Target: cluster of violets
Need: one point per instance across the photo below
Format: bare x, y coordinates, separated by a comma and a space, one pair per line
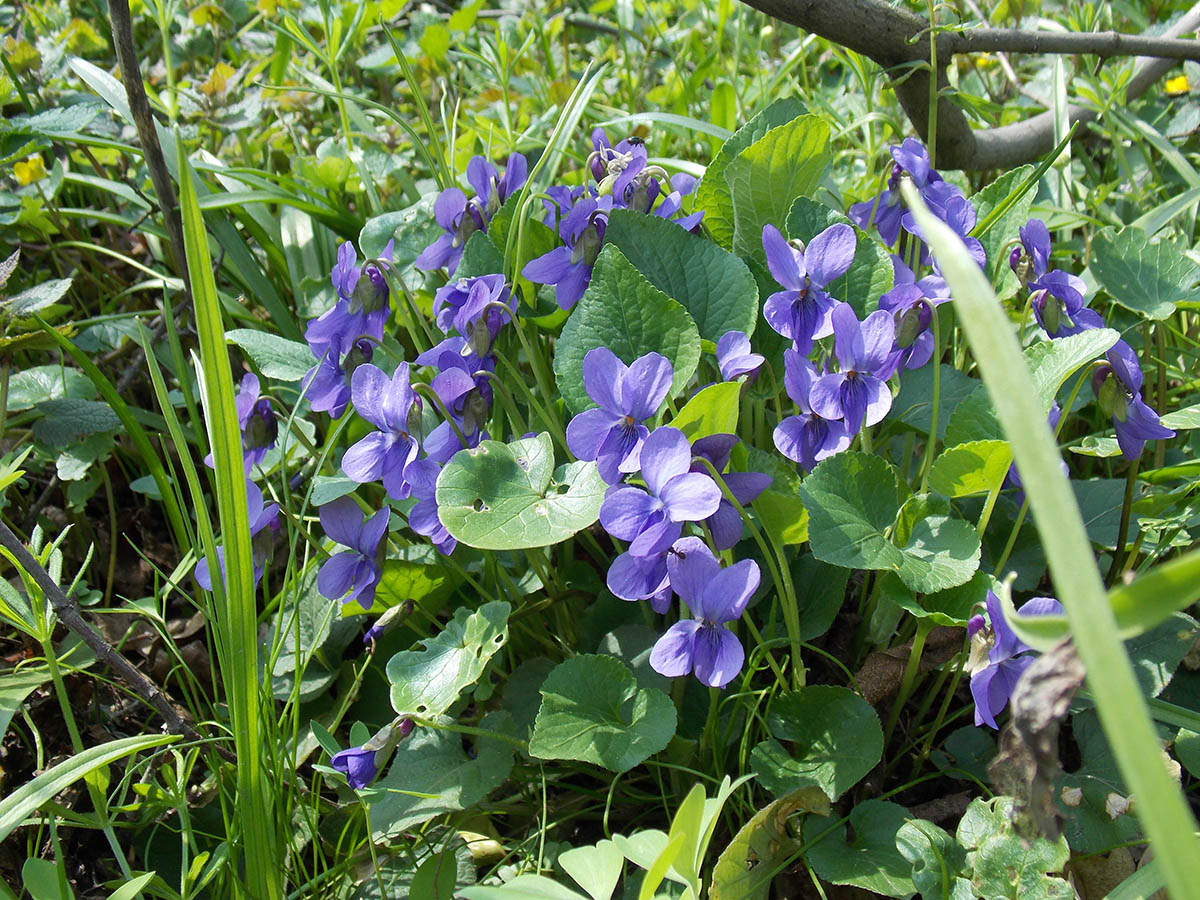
1059, 305
672, 505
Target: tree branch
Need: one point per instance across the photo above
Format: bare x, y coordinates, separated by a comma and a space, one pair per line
896, 38
69, 614
143, 120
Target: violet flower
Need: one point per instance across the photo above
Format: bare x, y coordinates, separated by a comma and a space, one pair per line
362, 304
735, 358
354, 573
361, 765
725, 525
613, 433
802, 311
460, 220
992, 685
858, 393
1118, 390
264, 523
256, 421
491, 190
912, 303
807, 438
633, 577
1057, 297
327, 384
423, 517
475, 307
569, 268
715, 596
652, 519
886, 211
388, 404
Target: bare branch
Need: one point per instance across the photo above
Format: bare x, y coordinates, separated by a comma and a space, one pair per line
143, 120
69, 614
896, 38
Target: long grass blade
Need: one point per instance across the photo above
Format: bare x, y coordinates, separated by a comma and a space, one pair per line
1163, 812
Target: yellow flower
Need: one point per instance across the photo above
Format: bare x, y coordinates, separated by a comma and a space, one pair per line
218, 81
1177, 85
31, 170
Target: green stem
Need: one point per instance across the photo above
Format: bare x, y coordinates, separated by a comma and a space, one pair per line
1123, 532
931, 447
924, 626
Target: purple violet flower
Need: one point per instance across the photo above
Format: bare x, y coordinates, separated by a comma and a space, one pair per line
715, 596
391, 617
640, 578
491, 190
807, 438
802, 311
362, 305
735, 358
858, 393
256, 420
460, 220
476, 307
992, 685
1118, 390
327, 384
264, 524
388, 404
569, 268
725, 525
613, 433
652, 519
352, 574
361, 765
423, 517
886, 211
1057, 297
912, 303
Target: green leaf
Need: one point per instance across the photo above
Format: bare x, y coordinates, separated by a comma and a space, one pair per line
36, 298
435, 878
69, 420
1146, 277
713, 410
23, 802
596, 869
712, 194
15, 686
431, 775
712, 284
1007, 865
766, 178
778, 507
480, 257
914, 405
1100, 501
38, 384
1005, 227
1180, 420
1051, 364
870, 274
131, 889
509, 496
836, 737
42, 879
936, 858
763, 847
825, 592
953, 607
624, 312
276, 357
871, 861
426, 682
592, 710
978, 467
854, 500
1100, 447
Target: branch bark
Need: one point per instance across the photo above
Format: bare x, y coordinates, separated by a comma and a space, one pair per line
69, 614
896, 38
143, 120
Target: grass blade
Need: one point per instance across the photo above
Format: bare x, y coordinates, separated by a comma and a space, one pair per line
1163, 811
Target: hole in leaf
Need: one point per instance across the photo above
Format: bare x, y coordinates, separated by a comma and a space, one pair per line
479, 505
